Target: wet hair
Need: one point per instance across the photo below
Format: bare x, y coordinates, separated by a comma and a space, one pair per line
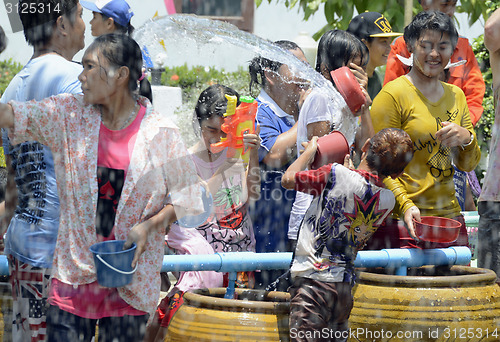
259, 64
212, 101
121, 50
390, 151
3, 40
336, 48
39, 26
430, 21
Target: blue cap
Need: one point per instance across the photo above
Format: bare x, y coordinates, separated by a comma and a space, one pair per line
119, 10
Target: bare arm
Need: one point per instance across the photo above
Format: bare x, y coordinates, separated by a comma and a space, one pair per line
6, 116
318, 129
304, 160
284, 148
139, 233
252, 141
492, 43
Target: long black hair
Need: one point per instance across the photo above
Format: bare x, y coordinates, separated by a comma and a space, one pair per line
336, 48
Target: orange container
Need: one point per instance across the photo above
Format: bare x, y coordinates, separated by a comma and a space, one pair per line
437, 229
349, 88
332, 148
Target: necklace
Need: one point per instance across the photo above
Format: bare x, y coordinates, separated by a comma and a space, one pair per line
126, 122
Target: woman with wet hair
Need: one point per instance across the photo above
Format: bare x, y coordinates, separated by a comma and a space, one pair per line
436, 116
279, 97
123, 173
336, 49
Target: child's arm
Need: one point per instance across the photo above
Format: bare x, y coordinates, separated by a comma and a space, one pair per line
6, 116
305, 159
252, 144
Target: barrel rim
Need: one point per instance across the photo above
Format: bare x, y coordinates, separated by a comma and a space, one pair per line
468, 276
204, 298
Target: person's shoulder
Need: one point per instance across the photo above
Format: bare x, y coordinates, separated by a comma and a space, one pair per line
396, 84
398, 43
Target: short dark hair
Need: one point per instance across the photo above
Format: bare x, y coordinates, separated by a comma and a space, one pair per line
3, 40
39, 26
259, 63
430, 21
212, 101
337, 47
390, 151
129, 29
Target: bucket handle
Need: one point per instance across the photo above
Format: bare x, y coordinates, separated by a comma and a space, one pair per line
114, 268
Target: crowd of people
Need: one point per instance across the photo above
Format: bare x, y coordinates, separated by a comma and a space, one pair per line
89, 159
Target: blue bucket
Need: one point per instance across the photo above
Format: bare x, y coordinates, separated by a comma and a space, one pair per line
112, 263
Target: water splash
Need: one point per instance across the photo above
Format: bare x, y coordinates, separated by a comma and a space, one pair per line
200, 41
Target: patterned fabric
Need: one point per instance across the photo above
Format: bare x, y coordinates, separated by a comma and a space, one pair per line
229, 228
159, 167
30, 286
338, 223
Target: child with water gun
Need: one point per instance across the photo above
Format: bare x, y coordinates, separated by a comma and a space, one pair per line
226, 158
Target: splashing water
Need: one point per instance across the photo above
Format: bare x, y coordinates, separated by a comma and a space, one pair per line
200, 41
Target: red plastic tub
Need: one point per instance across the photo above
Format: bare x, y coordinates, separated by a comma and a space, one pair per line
349, 88
332, 148
437, 229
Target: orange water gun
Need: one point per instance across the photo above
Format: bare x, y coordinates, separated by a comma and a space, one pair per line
237, 121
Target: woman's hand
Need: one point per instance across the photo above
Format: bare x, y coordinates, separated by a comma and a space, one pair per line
409, 215
360, 75
453, 135
138, 235
251, 141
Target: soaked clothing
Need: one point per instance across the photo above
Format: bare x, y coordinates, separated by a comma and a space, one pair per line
271, 213
316, 307
488, 249
427, 181
114, 153
348, 207
32, 233
165, 174
467, 77
229, 228
318, 107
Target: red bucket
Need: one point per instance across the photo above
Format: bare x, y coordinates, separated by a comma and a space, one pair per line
437, 229
349, 88
332, 148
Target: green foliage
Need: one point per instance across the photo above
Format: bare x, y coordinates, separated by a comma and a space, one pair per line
338, 13
8, 69
193, 80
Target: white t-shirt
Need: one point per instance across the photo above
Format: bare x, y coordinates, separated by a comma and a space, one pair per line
319, 106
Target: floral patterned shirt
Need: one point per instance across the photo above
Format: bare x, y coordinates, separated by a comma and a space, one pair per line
160, 172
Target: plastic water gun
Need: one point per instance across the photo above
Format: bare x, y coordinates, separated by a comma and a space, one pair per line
237, 121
